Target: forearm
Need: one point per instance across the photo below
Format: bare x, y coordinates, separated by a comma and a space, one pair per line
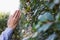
11, 23
6, 35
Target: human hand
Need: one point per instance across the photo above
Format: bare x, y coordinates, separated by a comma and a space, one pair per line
13, 20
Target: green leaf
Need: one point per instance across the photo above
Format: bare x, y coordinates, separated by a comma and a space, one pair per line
35, 35
57, 25
49, 16
58, 17
44, 27
38, 25
46, 16
56, 1
51, 5
42, 18
52, 37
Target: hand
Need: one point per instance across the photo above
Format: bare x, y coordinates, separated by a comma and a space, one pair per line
13, 20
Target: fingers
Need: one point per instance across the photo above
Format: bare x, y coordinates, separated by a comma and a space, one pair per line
11, 16
18, 15
15, 13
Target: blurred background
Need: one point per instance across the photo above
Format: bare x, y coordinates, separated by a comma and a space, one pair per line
40, 19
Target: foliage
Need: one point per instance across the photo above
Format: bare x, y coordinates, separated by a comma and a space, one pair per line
3, 21
40, 19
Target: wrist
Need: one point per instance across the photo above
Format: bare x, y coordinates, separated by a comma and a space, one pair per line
11, 27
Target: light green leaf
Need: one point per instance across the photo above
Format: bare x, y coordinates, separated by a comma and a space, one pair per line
44, 27
52, 37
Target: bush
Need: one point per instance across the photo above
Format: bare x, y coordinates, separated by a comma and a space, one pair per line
40, 19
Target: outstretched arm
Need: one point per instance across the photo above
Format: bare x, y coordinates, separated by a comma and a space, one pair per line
11, 23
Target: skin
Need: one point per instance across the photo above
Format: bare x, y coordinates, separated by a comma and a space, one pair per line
13, 20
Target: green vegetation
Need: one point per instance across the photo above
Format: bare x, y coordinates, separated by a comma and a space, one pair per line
3, 21
40, 20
